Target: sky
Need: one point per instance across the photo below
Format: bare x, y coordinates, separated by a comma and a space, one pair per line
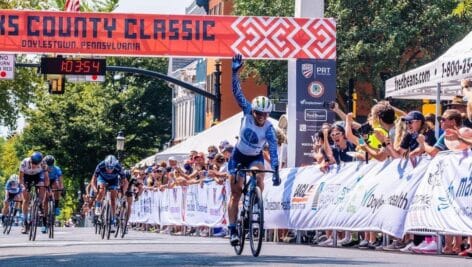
137, 6
153, 6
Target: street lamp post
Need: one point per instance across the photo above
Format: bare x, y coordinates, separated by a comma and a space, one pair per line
120, 144
217, 87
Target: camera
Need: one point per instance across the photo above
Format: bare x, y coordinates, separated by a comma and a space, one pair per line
366, 129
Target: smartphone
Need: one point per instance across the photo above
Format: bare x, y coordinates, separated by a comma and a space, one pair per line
361, 141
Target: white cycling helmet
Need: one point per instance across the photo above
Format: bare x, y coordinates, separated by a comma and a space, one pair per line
262, 104
14, 177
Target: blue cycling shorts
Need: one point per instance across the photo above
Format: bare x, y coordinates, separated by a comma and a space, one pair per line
112, 184
245, 161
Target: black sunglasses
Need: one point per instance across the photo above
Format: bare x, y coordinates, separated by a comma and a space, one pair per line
258, 113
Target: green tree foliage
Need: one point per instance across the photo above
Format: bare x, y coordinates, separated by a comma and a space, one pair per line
390, 37
9, 160
80, 127
270, 72
464, 8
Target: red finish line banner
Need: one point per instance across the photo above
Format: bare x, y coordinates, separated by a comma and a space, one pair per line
166, 35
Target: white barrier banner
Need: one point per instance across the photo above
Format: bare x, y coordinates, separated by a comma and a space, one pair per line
392, 197
192, 205
146, 209
356, 196
443, 201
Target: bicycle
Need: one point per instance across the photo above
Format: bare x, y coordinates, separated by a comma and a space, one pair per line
251, 216
10, 217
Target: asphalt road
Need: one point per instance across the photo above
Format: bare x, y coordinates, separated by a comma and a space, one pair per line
81, 247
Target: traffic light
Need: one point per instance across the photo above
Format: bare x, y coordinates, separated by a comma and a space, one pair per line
351, 97
56, 84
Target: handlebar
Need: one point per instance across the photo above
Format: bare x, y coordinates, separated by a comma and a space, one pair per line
252, 171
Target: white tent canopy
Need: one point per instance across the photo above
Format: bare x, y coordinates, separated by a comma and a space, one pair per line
225, 130
445, 73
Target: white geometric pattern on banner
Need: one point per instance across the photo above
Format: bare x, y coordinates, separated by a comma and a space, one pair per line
323, 30
259, 37
292, 40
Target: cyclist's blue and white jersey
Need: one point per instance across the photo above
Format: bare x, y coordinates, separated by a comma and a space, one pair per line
100, 171
252, 138
13, 187
54, 173
28, 168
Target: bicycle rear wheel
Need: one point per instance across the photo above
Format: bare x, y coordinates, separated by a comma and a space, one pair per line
51, 218
124, 220
118, 222
9, 219
109, 222
241, 230
103, 221
256, 222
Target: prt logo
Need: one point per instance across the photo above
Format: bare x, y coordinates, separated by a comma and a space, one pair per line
324, 71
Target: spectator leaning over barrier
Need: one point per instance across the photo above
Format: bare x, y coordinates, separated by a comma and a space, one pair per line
383, 120
222, 145
415, 124
212, 150
319, 153
227, 151
451, 119
341, 146
219, 170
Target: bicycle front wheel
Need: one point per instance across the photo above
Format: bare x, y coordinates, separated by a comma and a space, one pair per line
34, 217
118, 223
256, 222
124, 220
109, 222
241, 230
103, 223
51, 218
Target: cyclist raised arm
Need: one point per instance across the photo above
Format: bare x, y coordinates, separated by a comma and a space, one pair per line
255, 131
107, 175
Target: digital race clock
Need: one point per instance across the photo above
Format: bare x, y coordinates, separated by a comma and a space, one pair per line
73, 66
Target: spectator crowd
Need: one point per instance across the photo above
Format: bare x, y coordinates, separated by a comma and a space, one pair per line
389, 133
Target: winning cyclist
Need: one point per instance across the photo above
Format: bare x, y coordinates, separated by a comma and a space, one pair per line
13, 191
33, 172
255, 131
55, 181
107, 175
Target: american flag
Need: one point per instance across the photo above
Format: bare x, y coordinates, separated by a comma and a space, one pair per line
72, 6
